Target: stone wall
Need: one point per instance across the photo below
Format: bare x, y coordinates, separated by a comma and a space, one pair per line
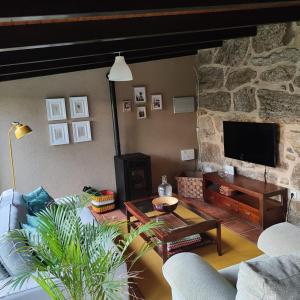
253, 79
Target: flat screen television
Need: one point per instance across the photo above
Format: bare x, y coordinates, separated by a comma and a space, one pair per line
251, 142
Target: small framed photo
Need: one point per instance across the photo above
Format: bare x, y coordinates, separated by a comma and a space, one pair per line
141, 112
139, 95
56, 109
59, 134
81, 131
79, 107
127, 106
156, 102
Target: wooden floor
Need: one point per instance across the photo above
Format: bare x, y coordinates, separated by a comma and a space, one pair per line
245, 228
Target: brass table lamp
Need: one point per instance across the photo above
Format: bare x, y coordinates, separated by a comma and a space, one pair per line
20, 131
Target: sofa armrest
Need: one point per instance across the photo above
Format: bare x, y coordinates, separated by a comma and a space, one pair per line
191, 278
280, 239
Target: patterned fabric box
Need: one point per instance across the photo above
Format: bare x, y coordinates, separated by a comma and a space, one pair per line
190, 187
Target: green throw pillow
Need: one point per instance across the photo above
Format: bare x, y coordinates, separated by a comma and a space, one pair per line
37, 200
30, 229
32, 221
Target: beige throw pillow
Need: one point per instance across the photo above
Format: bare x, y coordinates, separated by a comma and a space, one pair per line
277, 278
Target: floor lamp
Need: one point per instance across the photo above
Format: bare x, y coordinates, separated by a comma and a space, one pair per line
20, 131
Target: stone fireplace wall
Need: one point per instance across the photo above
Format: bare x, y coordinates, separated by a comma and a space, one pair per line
253, 79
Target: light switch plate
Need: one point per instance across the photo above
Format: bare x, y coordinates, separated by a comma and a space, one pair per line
188, 154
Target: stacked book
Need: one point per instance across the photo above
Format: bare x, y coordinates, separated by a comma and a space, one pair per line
224, 190
187, 241
102, 201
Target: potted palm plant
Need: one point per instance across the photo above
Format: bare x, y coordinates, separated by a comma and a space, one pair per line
72, 260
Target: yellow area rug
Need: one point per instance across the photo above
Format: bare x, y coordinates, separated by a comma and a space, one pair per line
234, 247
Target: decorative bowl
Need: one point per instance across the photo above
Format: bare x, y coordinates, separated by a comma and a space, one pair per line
165, 204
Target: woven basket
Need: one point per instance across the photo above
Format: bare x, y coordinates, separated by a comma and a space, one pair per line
190, 187
99, 203
104, 208
102, 198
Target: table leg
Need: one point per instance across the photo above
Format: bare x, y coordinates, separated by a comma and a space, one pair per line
164, 252
219, 239
128, 215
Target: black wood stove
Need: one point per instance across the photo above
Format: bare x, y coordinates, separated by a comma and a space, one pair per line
133, 177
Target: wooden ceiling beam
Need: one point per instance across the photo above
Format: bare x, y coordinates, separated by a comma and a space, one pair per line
97, 48
22, 9
108, 30
94, 65
106, 58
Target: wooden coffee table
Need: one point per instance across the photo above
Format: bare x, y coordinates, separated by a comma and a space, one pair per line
176, 225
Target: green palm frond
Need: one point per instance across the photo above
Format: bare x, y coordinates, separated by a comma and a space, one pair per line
72, 260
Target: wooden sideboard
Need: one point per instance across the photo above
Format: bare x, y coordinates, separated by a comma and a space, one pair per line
262, 203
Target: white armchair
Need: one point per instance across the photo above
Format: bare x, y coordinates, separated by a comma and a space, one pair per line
191, 278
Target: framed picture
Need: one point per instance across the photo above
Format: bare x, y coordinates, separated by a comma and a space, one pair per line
139, 95
56, 109
156, 102
81, 131
79, 107
127, 106
59, 134
141, 112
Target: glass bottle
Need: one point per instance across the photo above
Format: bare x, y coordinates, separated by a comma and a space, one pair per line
164, 189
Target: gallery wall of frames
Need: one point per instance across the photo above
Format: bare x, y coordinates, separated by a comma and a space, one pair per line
140, 100
60, 120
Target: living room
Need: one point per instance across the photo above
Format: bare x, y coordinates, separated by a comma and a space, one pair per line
246, 74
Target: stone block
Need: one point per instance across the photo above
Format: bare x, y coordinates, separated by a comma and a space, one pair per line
272, 36
278, 104
244, 99
290, 157
285, 55
293, 137
218, 101
239, 77
297, 81
295, 178
289, 149
210, 153
205, 57
279, 73
211, 78
206, 127
218, 123
233, 52
284, 181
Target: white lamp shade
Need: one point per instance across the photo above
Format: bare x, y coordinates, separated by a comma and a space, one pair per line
120, 70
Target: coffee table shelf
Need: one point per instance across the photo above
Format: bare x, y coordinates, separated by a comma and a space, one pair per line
176, 226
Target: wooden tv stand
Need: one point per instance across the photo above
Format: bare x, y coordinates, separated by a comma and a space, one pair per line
251, 198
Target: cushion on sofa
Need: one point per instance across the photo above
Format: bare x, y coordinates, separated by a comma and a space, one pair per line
231, 273
14, 262
9, 218
277, 278
37, 200
10, 197
280, 239
32, 220
3, 273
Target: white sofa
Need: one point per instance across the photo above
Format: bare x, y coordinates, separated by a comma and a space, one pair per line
31, 290
191, 278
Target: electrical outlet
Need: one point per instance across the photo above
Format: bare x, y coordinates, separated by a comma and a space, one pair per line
188, 154
294, 194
